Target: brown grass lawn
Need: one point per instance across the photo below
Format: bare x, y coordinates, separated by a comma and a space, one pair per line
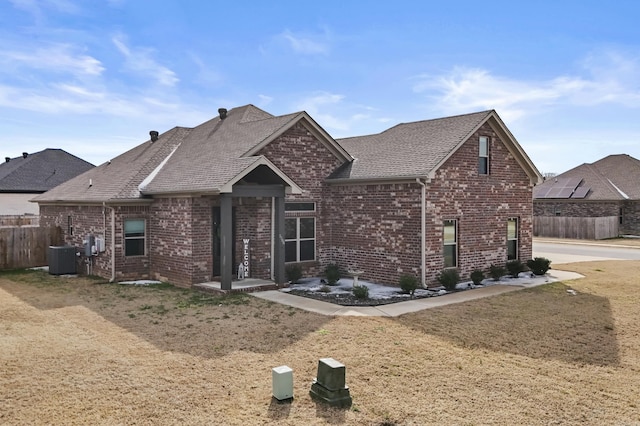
77, 351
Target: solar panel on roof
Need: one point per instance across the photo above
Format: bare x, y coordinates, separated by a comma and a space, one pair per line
566, 192
580, 192
554, 193
573, 183
542, 192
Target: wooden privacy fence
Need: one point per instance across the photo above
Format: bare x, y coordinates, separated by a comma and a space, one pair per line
582, 228
6, 220
27, 246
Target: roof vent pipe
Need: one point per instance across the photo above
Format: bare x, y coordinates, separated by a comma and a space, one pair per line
223, 113
154, 135
25, 154
7, 159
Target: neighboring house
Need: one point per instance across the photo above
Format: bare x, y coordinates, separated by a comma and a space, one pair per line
190, 205
608, 188
23, 177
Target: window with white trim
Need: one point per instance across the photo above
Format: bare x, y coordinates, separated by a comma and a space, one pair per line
299, 239
483, 155
134, 237
450, 238
512, 238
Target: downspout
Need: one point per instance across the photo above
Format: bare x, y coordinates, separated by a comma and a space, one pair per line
113, 244
423, 232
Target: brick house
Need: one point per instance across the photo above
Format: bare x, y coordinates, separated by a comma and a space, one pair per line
190, 205
608, 188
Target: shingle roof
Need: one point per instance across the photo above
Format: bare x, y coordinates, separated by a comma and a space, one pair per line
182, 160
120, 177
40, 171
408, 149
214, 155
615, 177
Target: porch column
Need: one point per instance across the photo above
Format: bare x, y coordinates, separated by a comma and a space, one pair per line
278, 246
226, 243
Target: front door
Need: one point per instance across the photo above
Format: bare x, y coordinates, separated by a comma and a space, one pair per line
216, 240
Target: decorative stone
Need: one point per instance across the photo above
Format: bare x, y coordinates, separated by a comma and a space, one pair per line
282, 382
330, 385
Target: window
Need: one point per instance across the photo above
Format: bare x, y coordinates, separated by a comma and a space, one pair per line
300, 239
620, 215
483, 156
300, 207
69, 225
134, 237
450, 244
512, 238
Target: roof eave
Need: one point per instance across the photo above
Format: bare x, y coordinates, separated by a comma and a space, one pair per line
111, 201
377, 180
291, 186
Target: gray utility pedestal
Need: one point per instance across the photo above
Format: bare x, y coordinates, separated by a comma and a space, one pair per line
330, 385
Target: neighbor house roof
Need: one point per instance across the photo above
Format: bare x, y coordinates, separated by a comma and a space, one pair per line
208, 158
418, 149
614, 177
40, 171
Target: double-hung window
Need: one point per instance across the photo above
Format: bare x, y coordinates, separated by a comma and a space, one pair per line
450, 238
512, 238
134, 237
483, 155
300, 231
299, 239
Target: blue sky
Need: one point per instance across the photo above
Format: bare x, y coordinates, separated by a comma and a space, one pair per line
93, 77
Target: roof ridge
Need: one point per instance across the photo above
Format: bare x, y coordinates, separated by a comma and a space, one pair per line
252, 108
485, 112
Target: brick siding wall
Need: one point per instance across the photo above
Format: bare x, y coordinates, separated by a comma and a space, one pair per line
371, 227
576, 208
308, 163
96, 220
630, 218
377, 227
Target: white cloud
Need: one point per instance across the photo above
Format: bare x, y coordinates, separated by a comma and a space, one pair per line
54, 58
305, 44
340, 119
609, 78
141, 62
264, 100
36, 8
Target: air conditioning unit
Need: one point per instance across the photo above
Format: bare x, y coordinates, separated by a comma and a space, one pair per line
62, 260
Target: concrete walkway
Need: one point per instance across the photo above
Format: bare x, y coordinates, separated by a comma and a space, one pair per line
400, 308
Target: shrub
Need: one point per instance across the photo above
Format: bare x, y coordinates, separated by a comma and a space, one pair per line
325, 289
496, 272
361, 291
293, 273
539, 265
449, 278
332, 273
515, 267
477, 276
408, 284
